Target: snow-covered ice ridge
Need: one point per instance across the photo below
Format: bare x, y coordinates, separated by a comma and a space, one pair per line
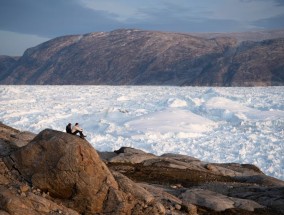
242, 125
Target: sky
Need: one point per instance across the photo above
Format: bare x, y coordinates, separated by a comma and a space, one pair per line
27, 23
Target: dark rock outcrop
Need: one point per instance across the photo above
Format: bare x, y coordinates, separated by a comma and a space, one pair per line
6, 63
136, 57
59, 173
188, 182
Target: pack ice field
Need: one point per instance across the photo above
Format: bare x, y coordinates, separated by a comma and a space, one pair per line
222, 125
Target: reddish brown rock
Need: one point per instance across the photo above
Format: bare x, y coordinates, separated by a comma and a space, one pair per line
58, 173
69, 168
29, 204
11, 139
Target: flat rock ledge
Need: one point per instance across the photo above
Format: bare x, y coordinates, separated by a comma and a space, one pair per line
57, 173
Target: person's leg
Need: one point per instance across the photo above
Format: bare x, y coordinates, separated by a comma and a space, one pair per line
74, 133
81, 134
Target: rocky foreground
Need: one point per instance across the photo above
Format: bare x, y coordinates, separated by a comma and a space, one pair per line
57, 173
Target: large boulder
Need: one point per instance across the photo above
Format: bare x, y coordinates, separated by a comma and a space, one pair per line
69, 168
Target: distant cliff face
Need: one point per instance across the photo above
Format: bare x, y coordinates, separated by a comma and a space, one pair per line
135, 57
6, 63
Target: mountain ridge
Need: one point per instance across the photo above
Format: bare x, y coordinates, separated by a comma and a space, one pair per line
139, 57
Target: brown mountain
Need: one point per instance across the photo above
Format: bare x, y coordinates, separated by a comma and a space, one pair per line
136, 57
6, 62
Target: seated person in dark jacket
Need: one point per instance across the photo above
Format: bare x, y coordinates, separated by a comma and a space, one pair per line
69, 129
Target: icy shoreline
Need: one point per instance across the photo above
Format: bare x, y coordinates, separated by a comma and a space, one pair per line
241, 125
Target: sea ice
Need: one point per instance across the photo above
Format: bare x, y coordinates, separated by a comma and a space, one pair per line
243, 125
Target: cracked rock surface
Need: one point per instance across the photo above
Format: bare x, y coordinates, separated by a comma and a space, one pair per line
58, 173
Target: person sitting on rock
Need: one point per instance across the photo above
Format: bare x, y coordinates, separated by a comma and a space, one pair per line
76, 129
69, 129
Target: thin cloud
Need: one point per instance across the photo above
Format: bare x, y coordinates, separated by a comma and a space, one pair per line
270, 23
276, 2
52, 18
279, 2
